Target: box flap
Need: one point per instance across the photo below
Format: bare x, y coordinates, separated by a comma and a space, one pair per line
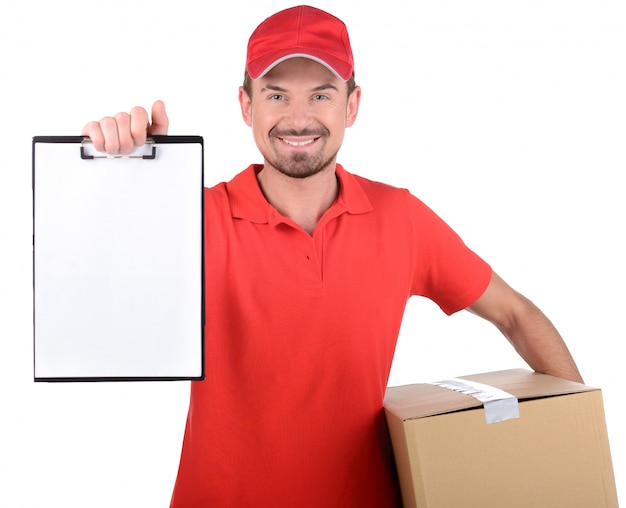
421, 400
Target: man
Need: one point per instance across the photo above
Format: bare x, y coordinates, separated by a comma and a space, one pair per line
309, 268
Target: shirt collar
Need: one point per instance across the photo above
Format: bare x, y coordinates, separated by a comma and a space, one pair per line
247, 201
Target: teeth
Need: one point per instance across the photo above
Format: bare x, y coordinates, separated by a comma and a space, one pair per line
298, 143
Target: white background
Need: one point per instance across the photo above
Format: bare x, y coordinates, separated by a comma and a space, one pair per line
508, 118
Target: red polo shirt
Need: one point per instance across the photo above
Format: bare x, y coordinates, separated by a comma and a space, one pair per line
300, 335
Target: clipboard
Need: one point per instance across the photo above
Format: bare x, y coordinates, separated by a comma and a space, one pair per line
118, 261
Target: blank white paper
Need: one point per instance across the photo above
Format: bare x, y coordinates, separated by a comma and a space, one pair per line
118, 264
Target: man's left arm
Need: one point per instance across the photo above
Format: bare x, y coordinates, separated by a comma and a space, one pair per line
530, 332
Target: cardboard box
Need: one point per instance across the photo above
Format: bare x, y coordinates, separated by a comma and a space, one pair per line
555, 454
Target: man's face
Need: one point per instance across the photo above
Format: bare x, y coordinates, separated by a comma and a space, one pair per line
298, 113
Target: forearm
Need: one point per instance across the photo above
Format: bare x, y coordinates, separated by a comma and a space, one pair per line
539, 343
530, 332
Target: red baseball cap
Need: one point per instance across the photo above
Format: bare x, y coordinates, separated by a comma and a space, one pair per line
301, 31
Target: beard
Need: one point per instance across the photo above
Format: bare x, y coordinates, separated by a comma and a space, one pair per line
301, 165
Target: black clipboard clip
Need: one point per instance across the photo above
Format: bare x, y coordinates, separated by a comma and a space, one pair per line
150, 144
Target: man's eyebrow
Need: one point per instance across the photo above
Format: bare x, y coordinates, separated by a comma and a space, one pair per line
273, 88
326, 86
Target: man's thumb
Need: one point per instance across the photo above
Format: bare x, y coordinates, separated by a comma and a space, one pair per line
160, 122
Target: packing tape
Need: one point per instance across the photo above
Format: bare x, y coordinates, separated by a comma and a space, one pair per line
499, 405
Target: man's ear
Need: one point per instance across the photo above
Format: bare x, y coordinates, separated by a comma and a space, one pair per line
246, 106
352, 109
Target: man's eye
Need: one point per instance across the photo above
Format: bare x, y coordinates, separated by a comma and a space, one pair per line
321, 97
276, 97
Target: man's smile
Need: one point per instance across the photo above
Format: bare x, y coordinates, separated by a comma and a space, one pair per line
297, 143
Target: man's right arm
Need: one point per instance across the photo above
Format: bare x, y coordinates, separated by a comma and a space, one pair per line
121, 133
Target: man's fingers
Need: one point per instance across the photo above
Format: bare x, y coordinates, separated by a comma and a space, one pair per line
108, 125
93, 131
160, 121
123, 132
126, 143
139, 125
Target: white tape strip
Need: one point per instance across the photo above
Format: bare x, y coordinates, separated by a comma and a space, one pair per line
499, 405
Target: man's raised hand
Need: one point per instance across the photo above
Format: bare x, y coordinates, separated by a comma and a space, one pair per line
121, 133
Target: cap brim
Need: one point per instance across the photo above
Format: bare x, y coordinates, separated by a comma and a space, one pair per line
261, 66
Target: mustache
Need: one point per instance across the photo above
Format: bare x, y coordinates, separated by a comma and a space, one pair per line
308, 132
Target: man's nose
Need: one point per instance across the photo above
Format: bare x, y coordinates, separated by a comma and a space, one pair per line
299, 114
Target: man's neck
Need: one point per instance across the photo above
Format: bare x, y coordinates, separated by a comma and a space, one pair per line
303, 200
